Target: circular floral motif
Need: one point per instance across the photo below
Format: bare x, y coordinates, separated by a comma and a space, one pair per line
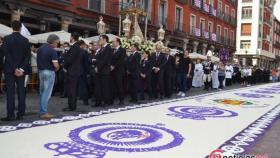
126, 137
199, 113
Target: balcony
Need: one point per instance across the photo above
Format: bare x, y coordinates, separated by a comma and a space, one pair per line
212, 10
247, 1
245, 16
213, 37
179, 28
162, 20
219, 38
233, 21
196, 3
226, 18
267, 21
182, 1
220, 14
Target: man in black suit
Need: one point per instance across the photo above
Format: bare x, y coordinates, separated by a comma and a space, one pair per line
117, 70
84, 71
1, 64
158, 60
169, 69
133, 71
102, 69
145, 75
17, 54
72, 64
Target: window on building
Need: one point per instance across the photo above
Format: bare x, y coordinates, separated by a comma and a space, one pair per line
246, 12
220, 7
211, 2
210, 27
95, 5
162, 13
245, 44
226, 35
202, 25
246, 29
179, 19
227, 10
193, 24
233, 13
232, 37
219, 32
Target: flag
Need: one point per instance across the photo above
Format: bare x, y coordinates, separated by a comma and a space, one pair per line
24, 31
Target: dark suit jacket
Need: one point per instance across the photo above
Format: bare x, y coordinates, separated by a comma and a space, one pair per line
84, 63
146, 67
72, 60
103, 60
118, 60
16, 49
1, 59
170, 67
158, 61
133, 64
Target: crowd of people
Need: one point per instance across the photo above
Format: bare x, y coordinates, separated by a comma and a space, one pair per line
106, 73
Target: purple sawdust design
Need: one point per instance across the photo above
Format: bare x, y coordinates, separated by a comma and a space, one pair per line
75, 150
253, 95
199, 112
97, 139
266, 91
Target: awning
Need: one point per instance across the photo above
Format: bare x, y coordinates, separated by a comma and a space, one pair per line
5, 30
63, 36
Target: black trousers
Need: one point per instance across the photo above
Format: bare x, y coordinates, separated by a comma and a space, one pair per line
228, 81
133, 83
83, 88
145, 83
189, 83
221, 82
11, 80
168, 85
117, 85
72, 91
157, 84
102, 89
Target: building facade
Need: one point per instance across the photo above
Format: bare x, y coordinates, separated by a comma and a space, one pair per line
276, 41
254, 44
196, 25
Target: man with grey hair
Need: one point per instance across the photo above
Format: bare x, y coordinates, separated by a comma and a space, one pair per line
47, 62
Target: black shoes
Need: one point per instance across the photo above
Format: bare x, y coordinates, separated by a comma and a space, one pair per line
68, 109
8, 118
19, 116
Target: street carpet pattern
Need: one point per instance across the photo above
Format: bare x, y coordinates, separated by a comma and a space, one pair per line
222, 123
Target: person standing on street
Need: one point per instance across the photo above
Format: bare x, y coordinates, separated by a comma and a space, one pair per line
133, 71
117, 70
17, 55
47, 65
102, 69
158, 60
72, 64
1, 63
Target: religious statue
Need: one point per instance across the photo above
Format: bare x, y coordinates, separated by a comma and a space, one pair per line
126, 26
101, 26
161, 33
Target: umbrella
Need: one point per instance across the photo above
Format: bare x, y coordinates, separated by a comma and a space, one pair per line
5, 30
197, 56
63, 36
96, 38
